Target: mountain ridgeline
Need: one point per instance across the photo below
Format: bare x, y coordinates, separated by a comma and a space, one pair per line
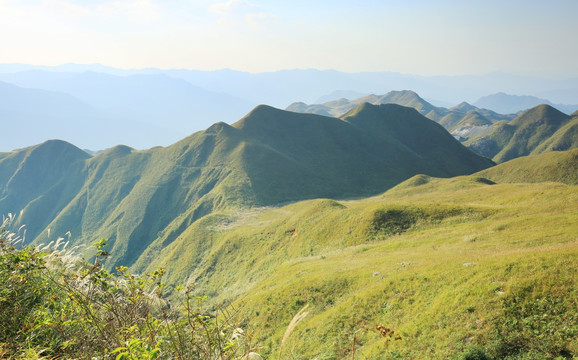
463, 120
269, 157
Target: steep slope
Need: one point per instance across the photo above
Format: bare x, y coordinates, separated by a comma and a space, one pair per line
463, 107
537, 130
134, 197
320, 109
407, 98
472, 118
425, 138
137, 198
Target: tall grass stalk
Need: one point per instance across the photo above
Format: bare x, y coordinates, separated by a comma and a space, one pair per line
301, 314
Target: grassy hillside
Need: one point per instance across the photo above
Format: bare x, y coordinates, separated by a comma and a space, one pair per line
445, 264
537, 130
556, 166
137, 198
340, 107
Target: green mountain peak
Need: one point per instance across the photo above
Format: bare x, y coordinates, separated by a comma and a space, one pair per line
537, 130
541, 113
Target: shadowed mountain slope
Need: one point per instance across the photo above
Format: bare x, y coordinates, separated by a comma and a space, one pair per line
540, 129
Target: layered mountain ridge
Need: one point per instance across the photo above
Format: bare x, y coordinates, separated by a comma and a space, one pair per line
463, 120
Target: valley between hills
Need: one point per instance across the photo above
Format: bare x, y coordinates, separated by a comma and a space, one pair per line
356, 229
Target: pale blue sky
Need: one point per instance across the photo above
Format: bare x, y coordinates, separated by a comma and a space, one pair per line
448, 37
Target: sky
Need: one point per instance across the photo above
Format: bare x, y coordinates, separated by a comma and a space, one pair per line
424, 37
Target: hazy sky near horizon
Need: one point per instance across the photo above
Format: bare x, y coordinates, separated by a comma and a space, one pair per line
446, 37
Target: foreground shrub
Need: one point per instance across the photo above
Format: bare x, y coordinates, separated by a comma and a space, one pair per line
54, 304
473, 353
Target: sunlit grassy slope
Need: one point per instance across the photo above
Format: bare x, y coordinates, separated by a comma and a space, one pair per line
559, 166
444, 263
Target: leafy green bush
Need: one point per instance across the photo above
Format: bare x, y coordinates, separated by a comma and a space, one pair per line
53, 304
473, 353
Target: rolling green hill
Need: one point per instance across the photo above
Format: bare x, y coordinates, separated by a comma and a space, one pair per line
537, 130
556, 166
446, 264
137, 198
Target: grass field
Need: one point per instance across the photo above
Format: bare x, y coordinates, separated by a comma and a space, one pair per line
446, 264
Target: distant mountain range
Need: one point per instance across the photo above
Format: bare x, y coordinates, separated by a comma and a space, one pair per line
280, 88
507, 104
268, 157
32, 116
96, 110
